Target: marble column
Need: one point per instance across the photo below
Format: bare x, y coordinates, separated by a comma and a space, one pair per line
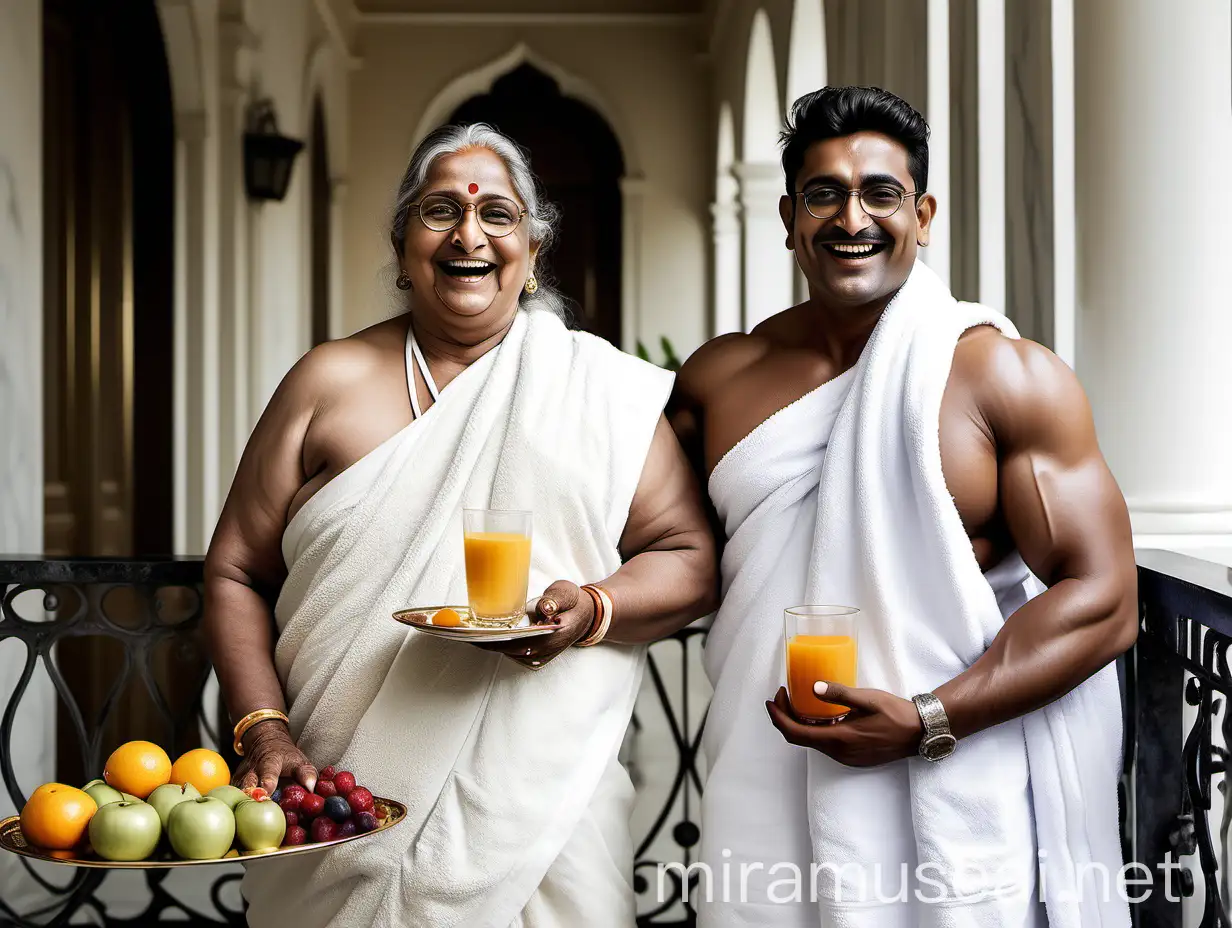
937, 254
725, 219
769, 271
633, 196
990, 96
235, 40
1154, 132
21, 399
196, 339
1029, 156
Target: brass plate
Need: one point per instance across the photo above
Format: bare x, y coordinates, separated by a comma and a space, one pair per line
420, 619
389, 813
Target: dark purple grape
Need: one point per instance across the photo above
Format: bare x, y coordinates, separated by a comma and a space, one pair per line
337, 808
365, 822
348, 828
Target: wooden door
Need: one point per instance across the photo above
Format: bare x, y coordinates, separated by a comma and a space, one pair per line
108, 313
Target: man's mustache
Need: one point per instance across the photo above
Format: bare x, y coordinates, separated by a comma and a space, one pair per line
870, 236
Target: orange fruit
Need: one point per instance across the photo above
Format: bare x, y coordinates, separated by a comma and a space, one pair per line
138, 767
203, 768
56, 817
447, 618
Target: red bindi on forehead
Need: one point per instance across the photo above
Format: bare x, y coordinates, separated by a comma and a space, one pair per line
473, 189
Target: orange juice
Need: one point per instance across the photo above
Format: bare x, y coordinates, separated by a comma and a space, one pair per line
497, 574
831, 658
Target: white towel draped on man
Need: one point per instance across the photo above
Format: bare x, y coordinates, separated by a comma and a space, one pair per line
518, 808
840, 498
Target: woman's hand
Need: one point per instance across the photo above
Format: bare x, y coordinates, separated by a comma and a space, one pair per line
269, 754
564, 603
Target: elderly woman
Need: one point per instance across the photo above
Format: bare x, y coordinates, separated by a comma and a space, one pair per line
347, 506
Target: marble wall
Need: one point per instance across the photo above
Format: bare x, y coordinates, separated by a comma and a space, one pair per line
21, 421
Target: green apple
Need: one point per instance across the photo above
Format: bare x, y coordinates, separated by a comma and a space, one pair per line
102, 794
168, 796
125, 831
260, 826
231, 795
201, 829
129, 797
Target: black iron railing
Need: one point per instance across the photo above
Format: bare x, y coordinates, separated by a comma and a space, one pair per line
1178, 732
147, 609
45, 603
1177, 682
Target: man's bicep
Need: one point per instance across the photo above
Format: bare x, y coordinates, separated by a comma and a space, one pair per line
1060, 501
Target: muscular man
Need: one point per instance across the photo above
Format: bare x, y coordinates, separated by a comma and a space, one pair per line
1004, 587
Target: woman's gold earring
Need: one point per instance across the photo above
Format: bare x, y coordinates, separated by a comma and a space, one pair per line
403, 282
531, 284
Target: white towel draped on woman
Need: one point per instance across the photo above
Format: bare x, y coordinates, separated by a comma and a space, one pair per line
518, 806
840, 498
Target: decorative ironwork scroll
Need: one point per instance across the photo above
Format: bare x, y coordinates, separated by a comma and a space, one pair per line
1181, 660
662, 885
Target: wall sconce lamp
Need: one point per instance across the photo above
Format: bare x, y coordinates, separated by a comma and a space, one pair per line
268, 155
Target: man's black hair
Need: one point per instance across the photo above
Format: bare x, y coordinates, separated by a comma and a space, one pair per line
833, 112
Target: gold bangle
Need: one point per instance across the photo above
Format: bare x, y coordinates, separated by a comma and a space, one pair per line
251, 719
600, 629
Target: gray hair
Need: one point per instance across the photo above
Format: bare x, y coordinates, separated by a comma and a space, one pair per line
541, 215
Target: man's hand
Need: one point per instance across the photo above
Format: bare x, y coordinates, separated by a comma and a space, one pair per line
880, 727
562, 603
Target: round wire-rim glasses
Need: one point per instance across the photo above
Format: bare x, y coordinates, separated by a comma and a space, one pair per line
498, 216
880, 201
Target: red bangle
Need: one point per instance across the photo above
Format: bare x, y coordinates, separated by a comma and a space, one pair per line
597, 618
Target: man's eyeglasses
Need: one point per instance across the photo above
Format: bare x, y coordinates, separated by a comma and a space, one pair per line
880, 201
497, 216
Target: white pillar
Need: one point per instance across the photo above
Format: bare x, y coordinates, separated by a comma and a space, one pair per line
937, 254
233, 424
1064, 185
633, 195
990, 67
725, 218
769, 270
21, 398
1154, 129
337, 245
196, 342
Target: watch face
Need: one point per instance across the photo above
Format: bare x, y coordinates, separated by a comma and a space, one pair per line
938, 746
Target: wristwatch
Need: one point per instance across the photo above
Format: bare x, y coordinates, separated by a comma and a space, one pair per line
938, 742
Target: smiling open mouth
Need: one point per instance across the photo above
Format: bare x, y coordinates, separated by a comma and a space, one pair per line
855, 251
466, 269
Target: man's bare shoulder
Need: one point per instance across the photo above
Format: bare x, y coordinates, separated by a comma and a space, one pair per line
716, 362
720, 359
1025, 392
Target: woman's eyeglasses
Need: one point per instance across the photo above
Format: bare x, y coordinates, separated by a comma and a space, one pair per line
497, 216
880, 201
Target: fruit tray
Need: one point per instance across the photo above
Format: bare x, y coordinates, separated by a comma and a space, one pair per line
389, 814
423, 619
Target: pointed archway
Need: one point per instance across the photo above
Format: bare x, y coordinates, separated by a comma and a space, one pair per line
579, 161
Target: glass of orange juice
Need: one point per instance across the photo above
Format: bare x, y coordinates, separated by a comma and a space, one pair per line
821, 645
497, 549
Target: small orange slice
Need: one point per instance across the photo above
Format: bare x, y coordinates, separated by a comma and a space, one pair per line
447, 618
